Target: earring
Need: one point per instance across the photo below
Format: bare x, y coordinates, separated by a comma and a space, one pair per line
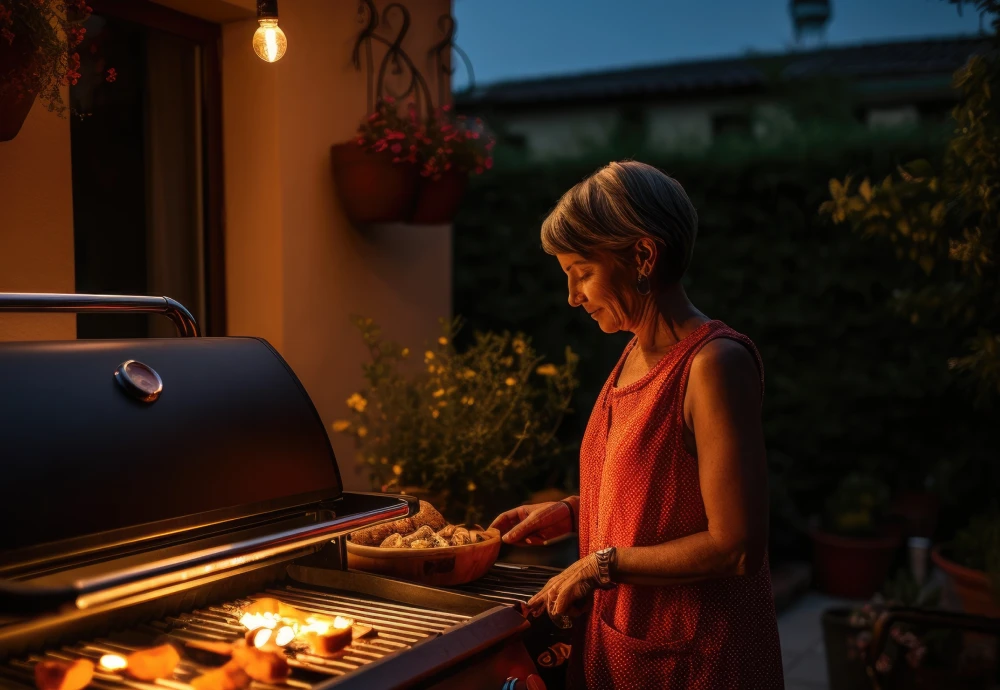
642, 284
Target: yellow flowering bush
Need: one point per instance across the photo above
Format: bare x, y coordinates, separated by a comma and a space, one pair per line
471, 428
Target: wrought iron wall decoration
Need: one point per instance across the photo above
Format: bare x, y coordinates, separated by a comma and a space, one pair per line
397, 62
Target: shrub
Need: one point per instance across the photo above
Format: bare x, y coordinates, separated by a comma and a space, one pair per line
470, 426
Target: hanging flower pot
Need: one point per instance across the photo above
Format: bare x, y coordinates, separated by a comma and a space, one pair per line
373, 188
438, 200
39, 56
15, 102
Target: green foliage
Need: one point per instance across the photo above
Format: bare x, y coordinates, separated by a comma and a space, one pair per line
948, 224
471, 427
978, 546
857, 506
849, 386
55, 30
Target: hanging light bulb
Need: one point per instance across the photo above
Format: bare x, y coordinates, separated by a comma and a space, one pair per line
269, 40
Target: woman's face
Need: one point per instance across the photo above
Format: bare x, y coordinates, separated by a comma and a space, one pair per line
594, 284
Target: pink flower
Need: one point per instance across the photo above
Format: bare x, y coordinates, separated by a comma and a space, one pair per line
112, 75
396, 148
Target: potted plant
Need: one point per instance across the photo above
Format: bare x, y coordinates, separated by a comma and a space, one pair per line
452, 148
38, 56
848, 633
468, 428
377, 173
972, 564
854, 546
405, 169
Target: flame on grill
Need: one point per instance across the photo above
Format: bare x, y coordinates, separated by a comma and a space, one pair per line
281, 629
112, 662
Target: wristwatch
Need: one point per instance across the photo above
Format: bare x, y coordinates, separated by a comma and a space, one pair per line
605, 557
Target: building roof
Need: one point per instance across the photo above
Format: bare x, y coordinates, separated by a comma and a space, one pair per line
864, 61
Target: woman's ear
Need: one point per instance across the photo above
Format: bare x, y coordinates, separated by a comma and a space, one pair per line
645, 256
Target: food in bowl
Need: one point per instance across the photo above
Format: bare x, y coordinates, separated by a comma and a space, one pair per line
426, 530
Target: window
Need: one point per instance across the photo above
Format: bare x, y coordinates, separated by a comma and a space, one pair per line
146, 166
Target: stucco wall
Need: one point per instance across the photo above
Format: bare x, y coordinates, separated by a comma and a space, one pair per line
36, 223
296, 268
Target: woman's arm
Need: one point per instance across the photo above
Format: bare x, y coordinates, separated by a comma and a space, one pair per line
722, 406
537, 523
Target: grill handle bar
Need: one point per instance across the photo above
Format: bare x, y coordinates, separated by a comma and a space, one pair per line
45, 302
92, 591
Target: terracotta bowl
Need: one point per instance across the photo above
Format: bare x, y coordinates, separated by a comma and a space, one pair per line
445, 566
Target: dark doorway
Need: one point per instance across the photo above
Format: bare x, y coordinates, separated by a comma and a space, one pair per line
147, 166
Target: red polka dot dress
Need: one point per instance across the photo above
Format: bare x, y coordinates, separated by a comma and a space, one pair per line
639, 487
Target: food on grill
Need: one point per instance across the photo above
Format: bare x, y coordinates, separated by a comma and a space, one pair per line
393, 541
268, 665
275, 607
152, 663
231, 676
56, 674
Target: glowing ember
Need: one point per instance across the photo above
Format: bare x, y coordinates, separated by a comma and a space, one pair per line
112, 662
285, 635
260, 636
269, 627
252, 621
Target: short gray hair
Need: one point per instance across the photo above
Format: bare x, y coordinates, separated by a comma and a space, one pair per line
619, 205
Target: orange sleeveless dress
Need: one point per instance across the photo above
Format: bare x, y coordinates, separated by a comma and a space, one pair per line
639, 487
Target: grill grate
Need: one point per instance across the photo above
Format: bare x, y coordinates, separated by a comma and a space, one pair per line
398, 626
510, 584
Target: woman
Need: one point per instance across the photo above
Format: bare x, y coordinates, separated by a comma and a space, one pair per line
673, 508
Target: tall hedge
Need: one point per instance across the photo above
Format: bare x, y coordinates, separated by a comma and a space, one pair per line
849, 385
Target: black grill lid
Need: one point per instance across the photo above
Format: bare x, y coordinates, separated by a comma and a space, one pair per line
232, 433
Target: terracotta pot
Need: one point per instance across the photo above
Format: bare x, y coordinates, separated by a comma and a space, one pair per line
371, 187
973, 587
438, 200
849, 567
14, 57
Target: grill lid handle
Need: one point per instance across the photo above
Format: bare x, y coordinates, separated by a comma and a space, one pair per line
89, 304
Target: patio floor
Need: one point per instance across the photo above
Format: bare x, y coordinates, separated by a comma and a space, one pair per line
802, 641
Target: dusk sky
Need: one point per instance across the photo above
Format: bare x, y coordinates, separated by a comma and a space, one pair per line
511, 39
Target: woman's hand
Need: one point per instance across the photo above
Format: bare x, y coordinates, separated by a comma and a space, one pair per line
569, 592
535, 524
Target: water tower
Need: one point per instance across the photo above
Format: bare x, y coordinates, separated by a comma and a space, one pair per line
810, 18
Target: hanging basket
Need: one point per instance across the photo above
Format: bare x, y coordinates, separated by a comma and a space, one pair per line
371, 187
438, 200
15, 57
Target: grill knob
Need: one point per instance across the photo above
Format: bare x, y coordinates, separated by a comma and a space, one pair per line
139, 380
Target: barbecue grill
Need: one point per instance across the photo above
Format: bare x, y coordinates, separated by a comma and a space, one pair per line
154, 487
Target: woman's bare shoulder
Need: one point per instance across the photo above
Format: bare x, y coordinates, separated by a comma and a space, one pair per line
724, 363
